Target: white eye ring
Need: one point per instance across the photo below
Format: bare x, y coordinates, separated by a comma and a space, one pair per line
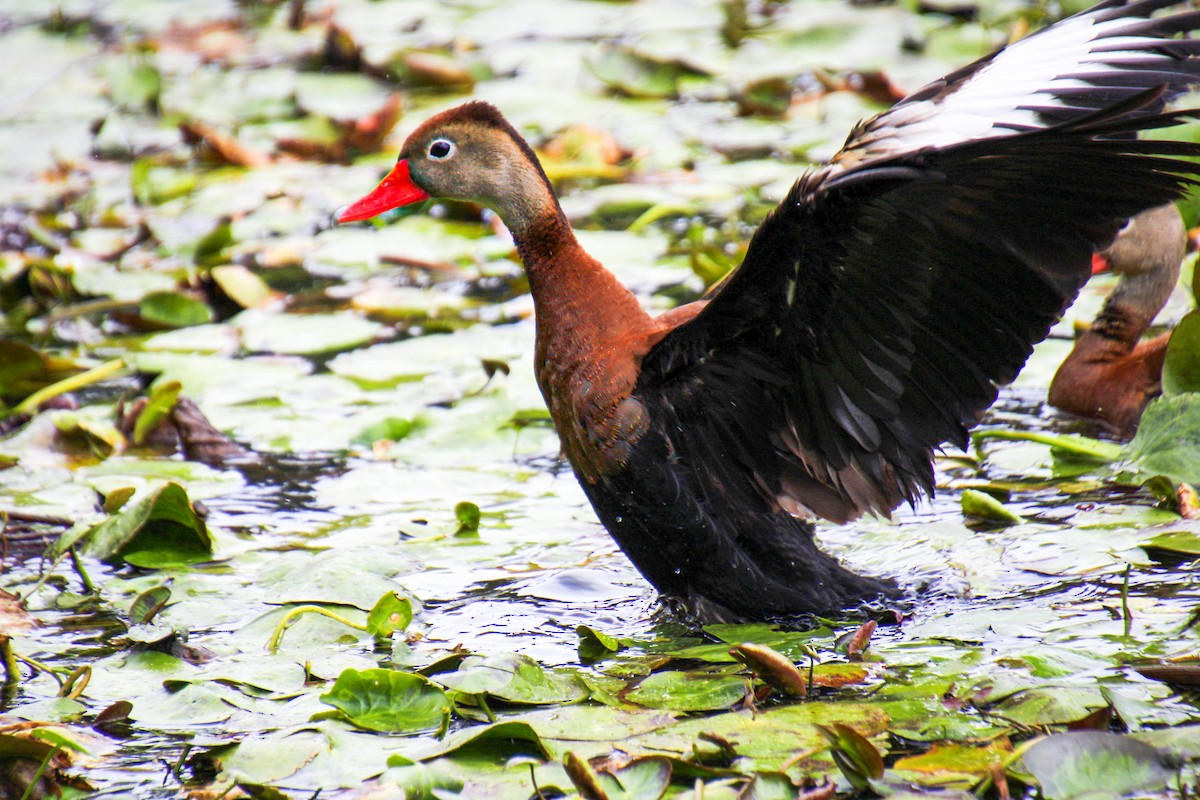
441, 149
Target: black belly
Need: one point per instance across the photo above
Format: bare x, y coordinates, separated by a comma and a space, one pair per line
724, 550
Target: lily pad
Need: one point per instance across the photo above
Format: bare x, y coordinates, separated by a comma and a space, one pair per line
689, 691
514, 678
387, 700
1167, 441
1181, 367
1092, 765
159, 530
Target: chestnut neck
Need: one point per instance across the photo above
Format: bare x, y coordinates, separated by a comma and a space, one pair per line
574, 296
1135, 302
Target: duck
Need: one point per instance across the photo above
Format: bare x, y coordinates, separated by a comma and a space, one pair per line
1110, 375
877, 311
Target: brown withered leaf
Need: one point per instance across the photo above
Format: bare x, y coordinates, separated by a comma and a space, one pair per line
1189, 501
363, 135
1174, 674
14, 618
772, 667
222, 146
860, 640
185, 430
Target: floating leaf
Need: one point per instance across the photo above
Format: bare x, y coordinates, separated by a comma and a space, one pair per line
595, 644
1181, 367
982, 505
391, 429
772, 667
392, 613
240, 285
947, 762
689, 691
154, 184
133, 83
158, 407
640, 779
387, 700
174, 310
514, 678
1167, 441
1094, 764
159, 531
629, 72
468, 517
147, 604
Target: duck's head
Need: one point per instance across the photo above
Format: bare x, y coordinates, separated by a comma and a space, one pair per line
1153, 242
467, 153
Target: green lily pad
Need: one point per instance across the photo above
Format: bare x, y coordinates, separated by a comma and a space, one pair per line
158, 531
1167, 441
689, 691
514, 678
387, 700
1181, 367
982, 505
595, 644
392, 613
159, 405
1092, 765
174, 310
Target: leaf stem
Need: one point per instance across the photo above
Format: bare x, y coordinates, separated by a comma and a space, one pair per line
37, 776
1078, 446
93, 375
12, 669
76, 562
293, 614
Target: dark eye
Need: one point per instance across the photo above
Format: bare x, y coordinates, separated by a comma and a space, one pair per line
441, 149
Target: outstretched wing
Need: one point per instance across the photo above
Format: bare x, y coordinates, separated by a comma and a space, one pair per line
882, 303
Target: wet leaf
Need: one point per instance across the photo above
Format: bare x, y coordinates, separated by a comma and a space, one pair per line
858, 759
772, 667
159, 405
1167, 441
392, 429
392, 613
174, 310
241, 285
689, 691
158, 531
1181, 367
640, 779
982, 505
147, 604
303, 334
468, 517
14, 618
513, 678
628, 72
770, 786
133, 82
210, 248
387, 700
595, 644
1078, 766
947, 762
153, 185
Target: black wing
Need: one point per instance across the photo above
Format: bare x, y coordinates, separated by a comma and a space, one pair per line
881, 304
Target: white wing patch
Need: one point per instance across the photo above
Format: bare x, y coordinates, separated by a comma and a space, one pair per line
1051, 70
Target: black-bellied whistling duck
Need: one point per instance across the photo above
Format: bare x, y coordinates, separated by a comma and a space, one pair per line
875, 313
1111, 374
